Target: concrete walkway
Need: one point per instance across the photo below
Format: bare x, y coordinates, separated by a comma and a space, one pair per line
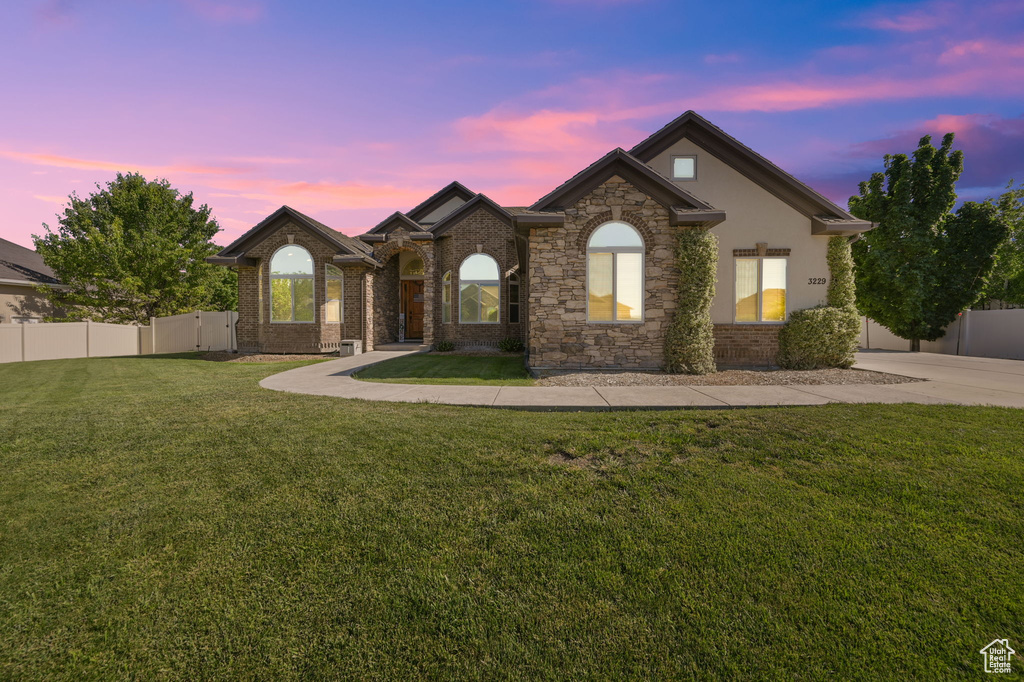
949, 379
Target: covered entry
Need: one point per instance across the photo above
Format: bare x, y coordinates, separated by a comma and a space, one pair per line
410, 295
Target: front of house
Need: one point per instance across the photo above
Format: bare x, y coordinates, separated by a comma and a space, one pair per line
586, 276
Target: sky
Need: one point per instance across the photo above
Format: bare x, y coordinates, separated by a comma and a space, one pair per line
349, 111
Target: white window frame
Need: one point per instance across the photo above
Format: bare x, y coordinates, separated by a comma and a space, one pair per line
332, 277
446, 306
672, 167
291, 285
760, 289
642, 250
479, 283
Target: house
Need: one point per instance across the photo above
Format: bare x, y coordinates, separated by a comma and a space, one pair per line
22, 270
586, 276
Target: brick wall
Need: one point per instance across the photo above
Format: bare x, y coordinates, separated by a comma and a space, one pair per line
493, 236
746, 345
384, 301
560, 336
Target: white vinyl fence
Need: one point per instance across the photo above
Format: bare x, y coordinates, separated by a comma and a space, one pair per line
200, 330
978, 333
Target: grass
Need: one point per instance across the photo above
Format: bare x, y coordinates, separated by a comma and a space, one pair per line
434, 368
164, 517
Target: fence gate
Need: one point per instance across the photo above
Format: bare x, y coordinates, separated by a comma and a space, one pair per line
200, 330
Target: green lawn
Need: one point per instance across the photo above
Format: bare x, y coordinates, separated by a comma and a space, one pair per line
436, 368
165, 518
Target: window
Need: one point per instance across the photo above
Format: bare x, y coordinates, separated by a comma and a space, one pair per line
413, 268
760, 289
479, 290
684, 167
334, 284
513, 298
615, 274
291, 285
446, 297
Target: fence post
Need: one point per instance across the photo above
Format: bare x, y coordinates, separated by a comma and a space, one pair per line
88, 333
23, 344
965, 326
199, 330
152, 335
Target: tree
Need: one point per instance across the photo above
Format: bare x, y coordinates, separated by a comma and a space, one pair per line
690, 339
1006, 283
922, 264
133, 250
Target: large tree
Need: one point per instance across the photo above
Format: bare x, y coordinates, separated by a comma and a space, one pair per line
922, 264
1006, 284
133, 250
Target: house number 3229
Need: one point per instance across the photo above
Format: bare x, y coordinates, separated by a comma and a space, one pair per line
815, 280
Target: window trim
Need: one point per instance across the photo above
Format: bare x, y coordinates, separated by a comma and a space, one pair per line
672, 167
291, 278
760, 290
329, 277
479, 283
614, 250
446, 306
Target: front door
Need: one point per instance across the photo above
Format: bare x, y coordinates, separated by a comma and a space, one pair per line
412, 306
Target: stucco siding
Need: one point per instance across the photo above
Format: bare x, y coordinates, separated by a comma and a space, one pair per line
752, 215
22, 301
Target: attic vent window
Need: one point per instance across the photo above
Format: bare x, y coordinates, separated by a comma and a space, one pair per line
684, 167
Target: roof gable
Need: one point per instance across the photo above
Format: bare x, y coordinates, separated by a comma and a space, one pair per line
257, 234
395, 221
619, 162
454, 190
18, 263
477, 202
743, 159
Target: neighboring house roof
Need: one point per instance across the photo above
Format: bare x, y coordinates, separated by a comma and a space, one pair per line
477, 202
758, 169
234, 253
620, 163
21, 265
438, 199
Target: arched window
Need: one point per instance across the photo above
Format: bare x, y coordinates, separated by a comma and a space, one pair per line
413, 268
479, 290
446, 297
615, 274
291, 285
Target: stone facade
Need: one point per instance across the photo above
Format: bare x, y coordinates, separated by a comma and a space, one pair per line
560, 336
746, 345
255, 330
479, 232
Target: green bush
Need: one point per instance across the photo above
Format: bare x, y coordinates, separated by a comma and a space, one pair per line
444, 346
511, 344
690, 339
842, 291
819, 338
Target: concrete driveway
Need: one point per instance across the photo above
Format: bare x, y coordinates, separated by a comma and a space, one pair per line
952, 378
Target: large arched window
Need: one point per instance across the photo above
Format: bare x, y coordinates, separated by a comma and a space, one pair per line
615, 274
479, 290
291, 285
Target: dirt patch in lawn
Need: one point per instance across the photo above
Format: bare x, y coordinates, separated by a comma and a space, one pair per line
730, 377
221, 356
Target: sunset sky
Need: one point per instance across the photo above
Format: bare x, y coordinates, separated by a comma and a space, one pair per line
349, 111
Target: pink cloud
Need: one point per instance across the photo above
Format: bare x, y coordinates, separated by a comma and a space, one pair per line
227, 11
94, 164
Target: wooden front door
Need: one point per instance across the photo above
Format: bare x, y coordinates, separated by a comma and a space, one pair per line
412, 306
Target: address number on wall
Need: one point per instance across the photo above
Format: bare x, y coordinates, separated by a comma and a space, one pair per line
816, 280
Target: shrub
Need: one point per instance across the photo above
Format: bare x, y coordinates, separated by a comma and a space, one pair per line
511, 344
444, 346
690, 339
818, 338
842, 291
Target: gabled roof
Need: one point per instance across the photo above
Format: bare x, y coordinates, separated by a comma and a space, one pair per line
746, 161
235, 251
22, 265
478, 201
621, 163
438, 199
393, 222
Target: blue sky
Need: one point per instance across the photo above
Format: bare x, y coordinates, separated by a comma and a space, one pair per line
350, 111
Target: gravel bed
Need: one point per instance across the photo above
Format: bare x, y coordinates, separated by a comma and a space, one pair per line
730, 377
222, 356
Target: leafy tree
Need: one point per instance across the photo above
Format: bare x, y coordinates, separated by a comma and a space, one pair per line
1007, 280
922, 264
133, 250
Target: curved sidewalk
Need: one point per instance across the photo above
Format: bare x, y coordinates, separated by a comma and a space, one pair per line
948, 379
